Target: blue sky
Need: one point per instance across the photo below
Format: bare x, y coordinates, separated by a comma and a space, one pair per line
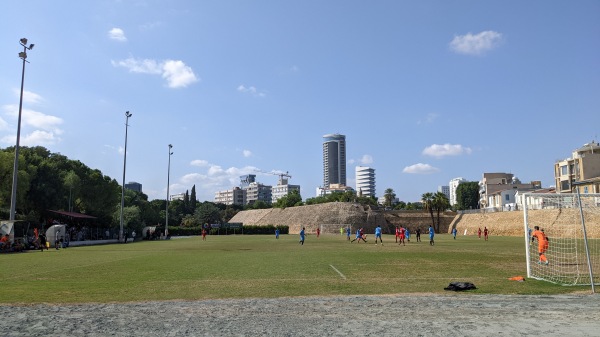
425, 91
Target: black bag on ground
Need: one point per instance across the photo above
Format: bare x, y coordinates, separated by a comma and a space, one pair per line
460, 286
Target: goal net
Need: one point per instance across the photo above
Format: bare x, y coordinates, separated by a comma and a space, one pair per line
334, 228
571, 222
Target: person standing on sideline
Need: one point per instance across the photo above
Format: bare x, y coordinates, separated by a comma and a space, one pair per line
348, 233
43, 243
418, 234
318, 231
454, 233
133, 236
485, 233
276, 233
56, 239
378, 235
341, 230
431, 235
542, 244
479, 233
302, 237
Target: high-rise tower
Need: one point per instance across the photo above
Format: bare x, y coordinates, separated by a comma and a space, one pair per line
334, 159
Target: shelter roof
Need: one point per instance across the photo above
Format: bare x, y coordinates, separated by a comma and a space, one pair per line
73, 215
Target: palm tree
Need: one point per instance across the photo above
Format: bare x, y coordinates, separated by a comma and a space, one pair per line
389, 196
427, 200
440, 204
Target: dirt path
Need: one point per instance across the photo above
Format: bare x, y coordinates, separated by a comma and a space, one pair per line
394, 315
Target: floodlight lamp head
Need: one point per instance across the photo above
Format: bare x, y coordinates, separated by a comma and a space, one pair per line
23, 41
23, 55
31, 46
170, 146
128, 114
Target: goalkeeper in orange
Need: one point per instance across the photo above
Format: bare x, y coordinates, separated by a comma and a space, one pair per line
542, 243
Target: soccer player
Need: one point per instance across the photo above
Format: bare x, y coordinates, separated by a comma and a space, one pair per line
402, 236
407, 233
277, 233
397, 233
302, 237
454, 233
318, 232
418, 234
542, 244
479, 233
485, 233
348, 232
203, 234
378, 235
431, 235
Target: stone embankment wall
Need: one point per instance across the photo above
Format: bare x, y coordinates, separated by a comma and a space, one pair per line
512, 223
341, 213
337, 214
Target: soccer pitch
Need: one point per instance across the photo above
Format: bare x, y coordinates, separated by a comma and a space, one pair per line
260, 266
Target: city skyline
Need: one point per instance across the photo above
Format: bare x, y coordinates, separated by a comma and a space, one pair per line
424, 91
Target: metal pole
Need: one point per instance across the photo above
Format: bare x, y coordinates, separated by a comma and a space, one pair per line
127, 115
527, 238
585, 240
168, 182
13, 199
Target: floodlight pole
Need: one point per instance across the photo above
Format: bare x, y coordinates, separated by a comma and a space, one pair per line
13, 199
168, 182
127, 115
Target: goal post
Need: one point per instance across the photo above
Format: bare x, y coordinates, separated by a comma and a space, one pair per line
572, 224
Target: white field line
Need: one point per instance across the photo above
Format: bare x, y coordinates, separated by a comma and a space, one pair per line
341, 275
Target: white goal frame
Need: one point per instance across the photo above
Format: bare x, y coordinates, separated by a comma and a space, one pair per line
564, 217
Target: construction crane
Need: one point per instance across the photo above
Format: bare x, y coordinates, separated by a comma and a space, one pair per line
282, 181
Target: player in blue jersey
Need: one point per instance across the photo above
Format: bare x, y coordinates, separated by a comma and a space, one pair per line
348, 232
454, 232
302, 236
407, 233
431, 235
378, 234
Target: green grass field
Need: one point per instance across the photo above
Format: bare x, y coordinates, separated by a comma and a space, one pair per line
261, 266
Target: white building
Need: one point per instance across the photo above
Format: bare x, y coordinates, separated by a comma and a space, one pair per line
282, 189
235, 196
452, 185
445, 190
365, 181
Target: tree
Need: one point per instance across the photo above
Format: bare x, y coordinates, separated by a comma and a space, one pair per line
389, 197
291, 199
427, 200
207, 212
72, 182
193, 200
440, 204
467, 195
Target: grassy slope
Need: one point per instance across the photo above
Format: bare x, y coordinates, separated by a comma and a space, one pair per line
260, 266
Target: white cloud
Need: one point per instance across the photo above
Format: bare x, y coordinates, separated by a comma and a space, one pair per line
350, 161
177, 73
29, 97
47, 130
117, 34
366, 159
430, 118
438, 151
251, 90
199, 163
247, 153
478, 44
420, 168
